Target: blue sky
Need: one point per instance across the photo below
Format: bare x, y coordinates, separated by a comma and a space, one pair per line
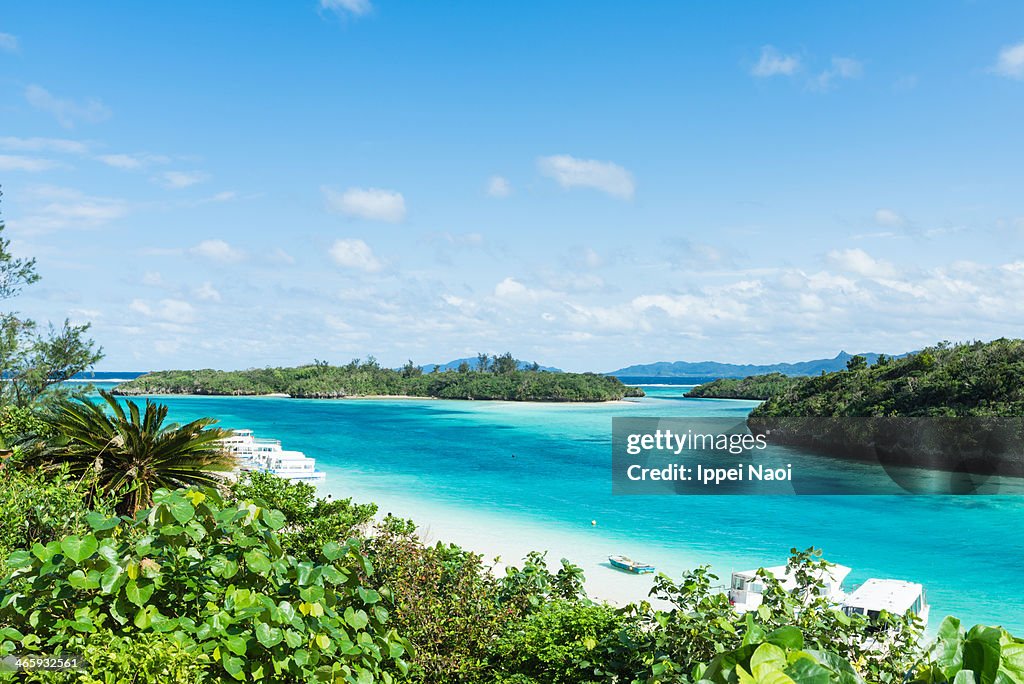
588, 184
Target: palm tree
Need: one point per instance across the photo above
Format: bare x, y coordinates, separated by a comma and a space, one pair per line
130, 454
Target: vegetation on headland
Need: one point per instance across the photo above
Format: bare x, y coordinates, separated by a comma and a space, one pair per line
977, 379
758, 387
492, 377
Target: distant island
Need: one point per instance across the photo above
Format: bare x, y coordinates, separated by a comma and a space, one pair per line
758, 387
713, 369
488, 378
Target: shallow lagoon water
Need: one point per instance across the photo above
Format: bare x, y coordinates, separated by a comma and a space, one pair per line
513, 476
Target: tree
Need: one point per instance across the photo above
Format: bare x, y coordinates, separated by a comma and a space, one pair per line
482, 362
30, 361
856, 362
411, 370
505, 363
130, 454
463, 367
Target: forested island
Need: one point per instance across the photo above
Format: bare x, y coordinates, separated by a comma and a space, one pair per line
491, 378
754, 387
876, 412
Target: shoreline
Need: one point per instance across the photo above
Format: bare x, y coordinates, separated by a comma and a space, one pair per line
381, 397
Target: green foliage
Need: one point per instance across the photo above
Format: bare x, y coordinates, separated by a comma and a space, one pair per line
562, 642
21, 422
976, 379
310, 521
753, 387
444, 603
135, 656
528, 587
674, 644
497, 379
776, 658
983, 655
131, 453
856, 363
214, 577
36, 508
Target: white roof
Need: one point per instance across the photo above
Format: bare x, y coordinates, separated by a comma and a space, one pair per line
894, 596
835, 573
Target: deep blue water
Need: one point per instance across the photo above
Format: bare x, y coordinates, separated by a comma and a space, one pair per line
549, 465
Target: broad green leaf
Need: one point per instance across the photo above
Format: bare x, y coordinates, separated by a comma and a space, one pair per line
356, 619
274, 519
769, 654
136, 594
20, 559
267, 635
79, 548
236, 644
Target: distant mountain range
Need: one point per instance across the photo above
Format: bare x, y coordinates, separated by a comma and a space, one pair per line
704, 369
471, 360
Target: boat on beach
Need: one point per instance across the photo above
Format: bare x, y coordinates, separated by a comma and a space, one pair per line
630, 565
897, 597
267, 456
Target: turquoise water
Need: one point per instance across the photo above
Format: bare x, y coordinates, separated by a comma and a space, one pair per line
548, 466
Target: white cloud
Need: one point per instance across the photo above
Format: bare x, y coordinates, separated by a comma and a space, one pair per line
170, 310
498, 186
374, 204
509, 287
354, 253
842, 68
774, 63
217, 250
282, 257
8, 42
207, 292
1010, 62
13, 162
605, 176
182, 179
889, 218
120, 161
355, 7
61, 145
67, 112
152, 278
861, 263
53, 208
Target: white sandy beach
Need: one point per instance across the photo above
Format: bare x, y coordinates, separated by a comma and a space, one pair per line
504, 542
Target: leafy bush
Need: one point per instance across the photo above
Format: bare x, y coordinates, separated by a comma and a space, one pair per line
776, 658
562, 642
983, 655
36, 508
444, 603
311, 521
110, 658
18, 422
215, 578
